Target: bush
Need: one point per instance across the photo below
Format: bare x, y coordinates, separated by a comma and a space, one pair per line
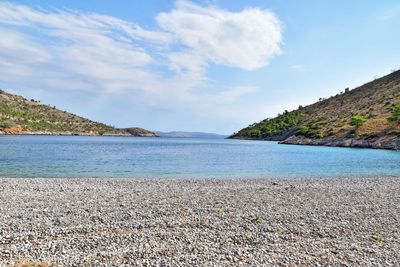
309, 132
254, 133
357, 121
312, 129
303, 130
279, 124
5, 124
395, 117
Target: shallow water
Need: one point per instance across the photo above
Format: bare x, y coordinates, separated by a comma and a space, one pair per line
130, 157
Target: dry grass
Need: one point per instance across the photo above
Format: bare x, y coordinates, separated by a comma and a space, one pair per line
375, 125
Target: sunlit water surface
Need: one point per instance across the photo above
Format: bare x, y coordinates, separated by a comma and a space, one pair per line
129, 157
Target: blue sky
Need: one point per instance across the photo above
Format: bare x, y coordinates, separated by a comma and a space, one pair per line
212, 66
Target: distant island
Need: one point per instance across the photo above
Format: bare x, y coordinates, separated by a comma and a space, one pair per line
22, 116
181, 134
367, 116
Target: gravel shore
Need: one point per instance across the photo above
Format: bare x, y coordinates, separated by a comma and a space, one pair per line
109, 222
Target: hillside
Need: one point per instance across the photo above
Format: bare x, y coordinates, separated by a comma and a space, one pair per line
367, 116
22, 116
141, 132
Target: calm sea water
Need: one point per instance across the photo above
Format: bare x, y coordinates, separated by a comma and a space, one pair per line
125, 157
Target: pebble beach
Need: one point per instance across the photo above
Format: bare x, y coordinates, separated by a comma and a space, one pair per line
263, 222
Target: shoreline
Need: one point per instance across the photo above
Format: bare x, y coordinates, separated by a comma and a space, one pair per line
249, 222
347, 143
393, 144
73, 134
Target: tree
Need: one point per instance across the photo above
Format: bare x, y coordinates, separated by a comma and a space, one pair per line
395, 117
357, 121
254, 133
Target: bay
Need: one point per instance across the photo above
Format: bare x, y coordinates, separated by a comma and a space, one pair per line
130, 157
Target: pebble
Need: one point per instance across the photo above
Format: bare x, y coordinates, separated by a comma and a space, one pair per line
114, 222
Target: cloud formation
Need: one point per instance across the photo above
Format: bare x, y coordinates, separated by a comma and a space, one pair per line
246, 39
73, 50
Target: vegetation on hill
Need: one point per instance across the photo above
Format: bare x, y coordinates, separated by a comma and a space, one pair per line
395, 117
368, 116
22, 116
141, 132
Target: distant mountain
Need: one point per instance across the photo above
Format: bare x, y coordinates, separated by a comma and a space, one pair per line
368, 116
22, 116
178, 134
140, 132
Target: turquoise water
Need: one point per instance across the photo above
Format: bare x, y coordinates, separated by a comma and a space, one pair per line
129, 157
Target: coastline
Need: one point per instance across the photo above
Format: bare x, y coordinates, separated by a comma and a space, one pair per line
388, 144
264, 222
70, 134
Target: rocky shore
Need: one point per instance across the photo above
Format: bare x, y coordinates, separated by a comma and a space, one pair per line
109, 222
390, 142
77, 134
62, 133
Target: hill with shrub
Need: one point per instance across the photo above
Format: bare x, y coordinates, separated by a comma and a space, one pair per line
367, 116
22, 116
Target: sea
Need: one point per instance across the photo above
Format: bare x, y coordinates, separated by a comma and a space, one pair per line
185, 158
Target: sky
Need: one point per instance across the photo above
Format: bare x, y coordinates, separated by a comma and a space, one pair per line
212, 66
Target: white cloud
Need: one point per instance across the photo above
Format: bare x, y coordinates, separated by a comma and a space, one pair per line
15, 46
66, 50
246, 39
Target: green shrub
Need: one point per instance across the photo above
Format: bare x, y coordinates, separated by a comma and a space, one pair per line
395, 117
254, 133
277, 125
258, 219
218, 212
303, 130
4, 124
357, 121
311, 129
